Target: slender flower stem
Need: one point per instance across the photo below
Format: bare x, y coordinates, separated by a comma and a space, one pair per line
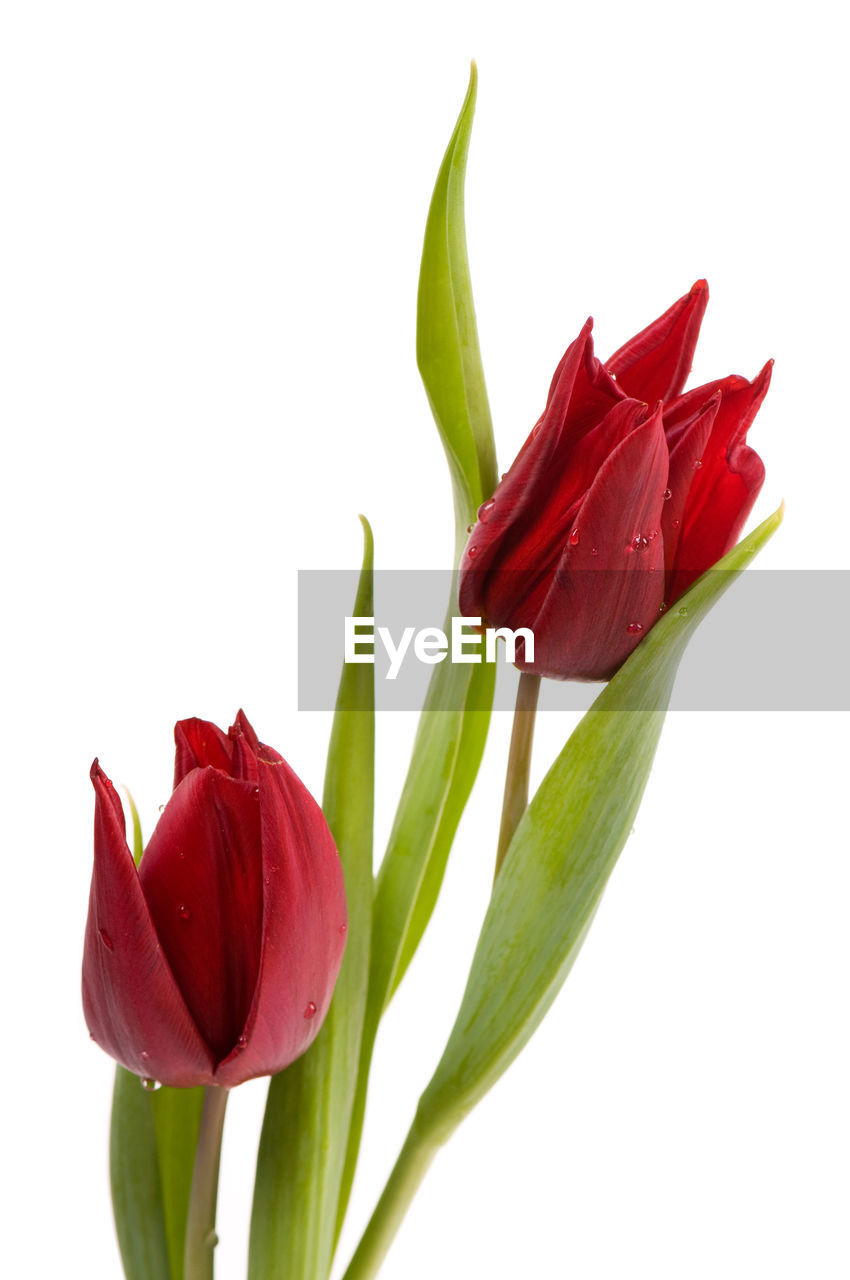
404, 1181
200, 1226
515, 802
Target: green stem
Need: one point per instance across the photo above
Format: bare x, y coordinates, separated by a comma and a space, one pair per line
200, 1226
515, 802
404, 1181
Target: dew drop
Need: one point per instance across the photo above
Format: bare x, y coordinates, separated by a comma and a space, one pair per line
574, 536
242, 1042
106, 940
683, 612
697, 464
150, 1085
662, 608
653, 535
639, 543
469, 528
183, 911
310, 1011
145, 1056
472, 552
267, 879
668, 494
676, 524
181, 853
634, 628
486, 510
343, 928
594, 551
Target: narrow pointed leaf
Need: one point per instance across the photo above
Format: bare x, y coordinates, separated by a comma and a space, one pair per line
303, 1143
177, 1122
446, 335
562, 855
548, 890
136, 1187
449, 743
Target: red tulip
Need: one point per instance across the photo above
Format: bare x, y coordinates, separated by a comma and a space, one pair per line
624, 493
215, 962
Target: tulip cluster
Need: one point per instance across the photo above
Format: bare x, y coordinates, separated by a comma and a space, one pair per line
624, 493
216, 960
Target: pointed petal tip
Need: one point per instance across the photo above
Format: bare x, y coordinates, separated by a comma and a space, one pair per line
699, 286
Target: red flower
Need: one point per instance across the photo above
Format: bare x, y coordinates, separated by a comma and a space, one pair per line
623, 494
216, 960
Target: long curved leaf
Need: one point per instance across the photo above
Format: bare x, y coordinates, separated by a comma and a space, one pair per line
308, 1112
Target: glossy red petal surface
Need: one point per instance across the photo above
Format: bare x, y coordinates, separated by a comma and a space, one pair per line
133, 1006
200, 743
654, 365
689, 434
203, 880
606, 594
727, 484
303, 930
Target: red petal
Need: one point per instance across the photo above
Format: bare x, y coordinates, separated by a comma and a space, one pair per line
687, 439
606, 595
304, 925
727, 484
654, 365
200, 743
132, 1004
202, 877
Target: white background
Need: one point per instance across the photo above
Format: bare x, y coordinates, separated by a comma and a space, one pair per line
210, 237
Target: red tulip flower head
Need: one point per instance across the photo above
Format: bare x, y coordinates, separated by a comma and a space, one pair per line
624, 493
215, 961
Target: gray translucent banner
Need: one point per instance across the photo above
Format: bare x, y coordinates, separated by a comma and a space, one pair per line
776, 641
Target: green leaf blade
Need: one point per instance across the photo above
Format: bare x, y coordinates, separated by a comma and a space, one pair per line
447, 346
308, 1113
562, 855
136, 1188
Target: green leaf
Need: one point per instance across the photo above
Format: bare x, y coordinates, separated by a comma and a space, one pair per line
177, 1121
449, 743
548, 890
136, 1187
308, 1113
562, 854
447, 347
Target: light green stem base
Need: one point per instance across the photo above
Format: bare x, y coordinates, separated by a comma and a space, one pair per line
404, 1181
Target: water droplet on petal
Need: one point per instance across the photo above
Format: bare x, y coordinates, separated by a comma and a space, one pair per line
343, 928
662, 607
676, 524
486, 510
634, 628
653, 535
639, 543
267, 879
150, 1085
594, 551
469, 528
683, 612
697, 464
472, 552
668, 494
242, 1042
310, 1011
574, 536
183, 911
106, 940
145, 1056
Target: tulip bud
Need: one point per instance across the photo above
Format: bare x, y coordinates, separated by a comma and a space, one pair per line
215, 961
624, 493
